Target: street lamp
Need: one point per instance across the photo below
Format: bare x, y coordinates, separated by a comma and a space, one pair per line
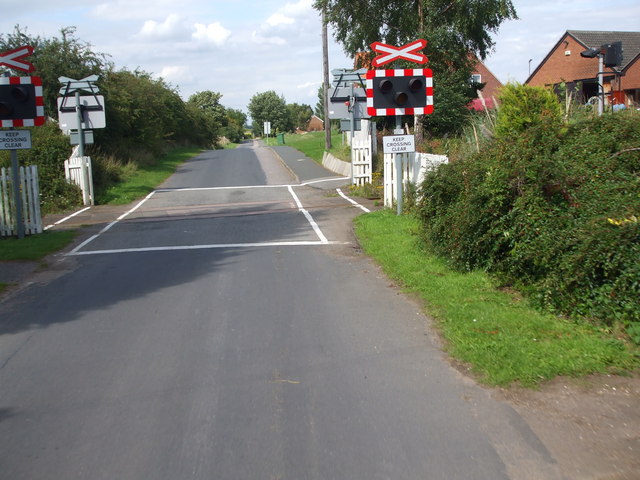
592, 53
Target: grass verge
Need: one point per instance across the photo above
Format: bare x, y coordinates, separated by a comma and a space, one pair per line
312, 145
145, 178
500, 337
34, 247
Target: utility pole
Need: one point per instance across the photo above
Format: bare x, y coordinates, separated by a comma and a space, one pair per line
325, 90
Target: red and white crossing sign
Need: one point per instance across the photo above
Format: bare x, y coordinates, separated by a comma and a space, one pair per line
13, 59
21, 102
399, 92
391, 53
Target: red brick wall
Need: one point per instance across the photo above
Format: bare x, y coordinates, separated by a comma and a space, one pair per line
559, 67
315, 124
492, 83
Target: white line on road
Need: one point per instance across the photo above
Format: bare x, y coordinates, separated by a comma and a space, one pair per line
312, 222
363, 208
206, 247
124, 215
66, 218
310, 219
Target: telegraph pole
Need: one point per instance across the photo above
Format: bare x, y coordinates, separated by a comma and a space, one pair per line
325, 89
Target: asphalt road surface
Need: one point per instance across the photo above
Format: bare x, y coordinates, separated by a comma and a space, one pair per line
228, 327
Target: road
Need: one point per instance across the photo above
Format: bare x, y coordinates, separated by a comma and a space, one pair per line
228, 327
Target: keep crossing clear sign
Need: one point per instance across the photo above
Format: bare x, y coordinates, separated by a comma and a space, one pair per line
15, 139
399, 144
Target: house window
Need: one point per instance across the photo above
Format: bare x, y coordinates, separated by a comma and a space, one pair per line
476, 78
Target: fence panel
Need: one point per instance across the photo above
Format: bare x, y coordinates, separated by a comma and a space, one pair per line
30, 195
78, 170
414, 168
361, 159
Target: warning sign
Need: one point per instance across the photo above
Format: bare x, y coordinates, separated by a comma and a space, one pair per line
399, 144
15, 139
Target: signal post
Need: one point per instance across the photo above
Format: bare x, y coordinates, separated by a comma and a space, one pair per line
399, 92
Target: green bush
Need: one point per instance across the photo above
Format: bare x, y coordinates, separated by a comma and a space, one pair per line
551, 210
49, 149
523, 107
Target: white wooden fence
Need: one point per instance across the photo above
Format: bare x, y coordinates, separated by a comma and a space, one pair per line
361, 159
30, 194
414, 168
77, 170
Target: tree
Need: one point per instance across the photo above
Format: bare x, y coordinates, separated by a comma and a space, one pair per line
269, 107
54, 57
319, 110
234, 130
300, 115
454, 29
210, 104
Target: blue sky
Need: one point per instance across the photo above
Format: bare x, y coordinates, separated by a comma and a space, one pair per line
243, 47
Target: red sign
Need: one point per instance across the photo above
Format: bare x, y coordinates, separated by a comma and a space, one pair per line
13, 59
391, 53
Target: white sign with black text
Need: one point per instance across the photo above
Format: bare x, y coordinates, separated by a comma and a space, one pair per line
15, 139
399, 144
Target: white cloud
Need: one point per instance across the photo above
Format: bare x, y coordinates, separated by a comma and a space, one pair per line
301, 8
279, 19
212, 33
258, 39
174, 72
172, 27
119, 10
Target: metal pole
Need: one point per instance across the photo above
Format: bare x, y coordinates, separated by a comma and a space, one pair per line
80, 132
600, 86
398, 164
352, 101
17, 198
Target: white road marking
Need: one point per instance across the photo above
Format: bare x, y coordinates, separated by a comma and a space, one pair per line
206, 247
124, 215
323, 239
66, 218
363, 208
308, 216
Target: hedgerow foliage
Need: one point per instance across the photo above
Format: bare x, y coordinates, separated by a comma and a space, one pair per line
552, 210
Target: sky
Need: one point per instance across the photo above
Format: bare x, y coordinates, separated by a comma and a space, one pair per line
243, 47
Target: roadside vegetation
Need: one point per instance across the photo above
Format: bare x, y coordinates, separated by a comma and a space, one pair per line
491, 330
525, 245
140, 180
312, 145
33, 247
145, 119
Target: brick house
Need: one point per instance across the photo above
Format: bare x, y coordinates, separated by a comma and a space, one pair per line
481, 74
564, 64
315, 124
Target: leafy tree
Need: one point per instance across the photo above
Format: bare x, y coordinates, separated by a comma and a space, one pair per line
236, 120
300, 115
455, 30
269, 107
55, 57
209, 102
319, 110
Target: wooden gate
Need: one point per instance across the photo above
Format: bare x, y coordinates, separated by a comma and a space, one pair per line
30, 194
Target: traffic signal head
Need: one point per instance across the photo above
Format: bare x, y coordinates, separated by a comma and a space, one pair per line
21, 102
399, 92
613, 54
